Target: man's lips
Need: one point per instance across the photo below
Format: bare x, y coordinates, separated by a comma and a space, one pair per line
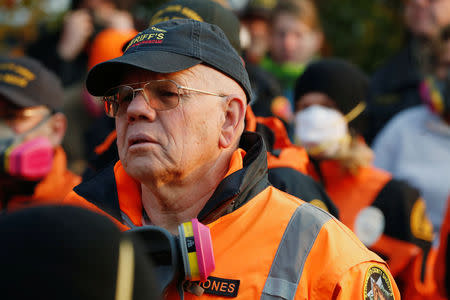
137, 139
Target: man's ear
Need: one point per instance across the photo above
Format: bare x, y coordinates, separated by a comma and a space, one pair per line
233, 124
58, 127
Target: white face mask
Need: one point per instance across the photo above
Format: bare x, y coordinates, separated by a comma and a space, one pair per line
322, 131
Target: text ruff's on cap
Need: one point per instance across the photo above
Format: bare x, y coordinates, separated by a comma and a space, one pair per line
172, 46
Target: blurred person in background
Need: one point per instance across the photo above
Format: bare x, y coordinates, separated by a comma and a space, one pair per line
388, 215
296, 39
395, 85
415, 144
65, 52
255, 40
33, 165
255, 22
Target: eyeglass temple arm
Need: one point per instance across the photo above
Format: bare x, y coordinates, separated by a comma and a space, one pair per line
200, 91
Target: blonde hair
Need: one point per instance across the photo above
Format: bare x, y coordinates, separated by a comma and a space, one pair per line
305, 10
357, 155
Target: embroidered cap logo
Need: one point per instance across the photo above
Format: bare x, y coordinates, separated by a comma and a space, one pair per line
15, 75
156, 36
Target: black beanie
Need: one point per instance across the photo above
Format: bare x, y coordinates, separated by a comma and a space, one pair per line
64, 252
340, 80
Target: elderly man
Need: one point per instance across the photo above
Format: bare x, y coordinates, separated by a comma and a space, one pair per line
179, 94
33, 166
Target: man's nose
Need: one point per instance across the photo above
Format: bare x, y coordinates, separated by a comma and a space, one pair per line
290, 40
140, 109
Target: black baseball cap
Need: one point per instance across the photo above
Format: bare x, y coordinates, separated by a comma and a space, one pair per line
207, 11
169, 47
25, 82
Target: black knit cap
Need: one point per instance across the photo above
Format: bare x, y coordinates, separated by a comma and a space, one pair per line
25, 82
169, 47
64, 252
340, 80
201, 10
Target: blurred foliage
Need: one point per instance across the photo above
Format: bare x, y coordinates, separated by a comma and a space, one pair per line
361, 31
365, 32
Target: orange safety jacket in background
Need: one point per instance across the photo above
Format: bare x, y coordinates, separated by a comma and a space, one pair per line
267, 244
277, 141
442, 265
50, 190
406, 233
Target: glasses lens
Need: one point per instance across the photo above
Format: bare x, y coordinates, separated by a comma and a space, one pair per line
162, 94
116, 98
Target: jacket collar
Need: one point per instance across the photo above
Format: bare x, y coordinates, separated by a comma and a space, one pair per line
239, 187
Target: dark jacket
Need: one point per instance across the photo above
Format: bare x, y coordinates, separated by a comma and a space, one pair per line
394, 87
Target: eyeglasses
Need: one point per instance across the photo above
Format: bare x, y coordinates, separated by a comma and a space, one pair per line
159, 94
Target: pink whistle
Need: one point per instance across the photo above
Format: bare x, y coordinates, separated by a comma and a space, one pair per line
32, 159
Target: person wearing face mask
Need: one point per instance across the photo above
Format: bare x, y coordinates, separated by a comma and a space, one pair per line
388, 215
32, 162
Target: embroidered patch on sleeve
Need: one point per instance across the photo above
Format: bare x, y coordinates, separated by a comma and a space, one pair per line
377, 285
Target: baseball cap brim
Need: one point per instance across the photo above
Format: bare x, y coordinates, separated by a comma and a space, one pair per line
17, 98
110, 73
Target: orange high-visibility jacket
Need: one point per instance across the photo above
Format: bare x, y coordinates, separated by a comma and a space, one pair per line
50, 190
406, 234
267, 244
